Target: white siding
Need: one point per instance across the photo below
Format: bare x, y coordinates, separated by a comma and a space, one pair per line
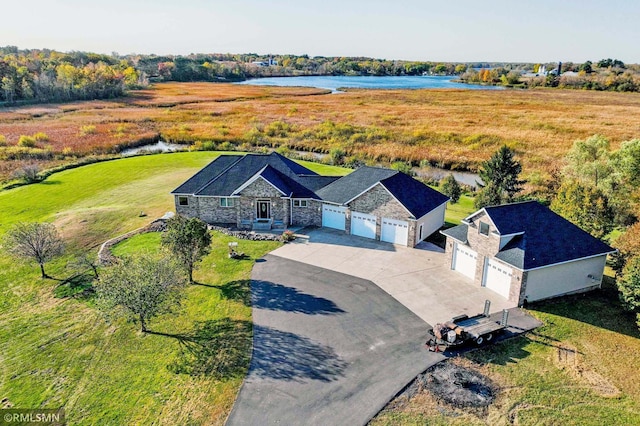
564, 278
430, 222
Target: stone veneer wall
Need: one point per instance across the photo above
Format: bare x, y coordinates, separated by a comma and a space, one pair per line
262, 190
379, 202
306, 216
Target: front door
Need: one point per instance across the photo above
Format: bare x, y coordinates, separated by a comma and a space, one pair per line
263, 209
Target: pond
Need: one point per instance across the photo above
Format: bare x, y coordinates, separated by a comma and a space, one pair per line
333, 83
159, 146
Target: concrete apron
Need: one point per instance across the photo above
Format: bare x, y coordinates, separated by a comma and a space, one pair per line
416, 277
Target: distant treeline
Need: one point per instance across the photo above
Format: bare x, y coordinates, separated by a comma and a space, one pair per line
51, 76
606, 74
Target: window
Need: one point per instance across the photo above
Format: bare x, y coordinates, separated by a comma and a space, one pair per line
183, 201
226, 202
484, 228
299, 203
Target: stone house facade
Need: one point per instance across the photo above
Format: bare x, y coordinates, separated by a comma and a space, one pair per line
263, 192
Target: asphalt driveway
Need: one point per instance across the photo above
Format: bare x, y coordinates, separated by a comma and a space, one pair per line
329, 348
419, 278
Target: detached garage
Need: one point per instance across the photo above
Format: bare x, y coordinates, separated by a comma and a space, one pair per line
528, 252
333, 216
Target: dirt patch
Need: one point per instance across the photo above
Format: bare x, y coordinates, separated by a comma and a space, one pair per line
454, 384
567, 358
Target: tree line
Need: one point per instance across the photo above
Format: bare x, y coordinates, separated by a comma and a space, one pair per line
50, 76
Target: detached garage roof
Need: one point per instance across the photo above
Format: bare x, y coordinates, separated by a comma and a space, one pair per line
542, 237
414, 195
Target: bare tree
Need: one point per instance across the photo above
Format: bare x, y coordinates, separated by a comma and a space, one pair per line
36, 241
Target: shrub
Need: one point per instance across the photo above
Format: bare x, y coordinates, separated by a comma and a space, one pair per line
451, 188
288, 235
27, 141
28, 173
403, 167
3, 140
41, 137
87, 130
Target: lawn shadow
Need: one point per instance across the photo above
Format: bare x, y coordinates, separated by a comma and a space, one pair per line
239, 290
278, 297
600, 308
214, 348
282, 355
78, 286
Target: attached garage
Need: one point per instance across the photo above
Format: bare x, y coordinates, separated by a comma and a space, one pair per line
363, 225
394, 231
497, 277
464, 261
333, 216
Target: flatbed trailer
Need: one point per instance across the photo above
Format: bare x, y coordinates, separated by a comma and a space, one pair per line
463, 329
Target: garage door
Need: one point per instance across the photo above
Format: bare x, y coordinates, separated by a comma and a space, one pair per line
363, 225
333, 216
497, 277
394, 231
464, 261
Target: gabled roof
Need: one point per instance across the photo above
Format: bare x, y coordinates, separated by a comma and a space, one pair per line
355, 183
415, 196
224, 175
546, 238
205, 175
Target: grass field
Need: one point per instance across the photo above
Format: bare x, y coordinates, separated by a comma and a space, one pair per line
580, 368
456, 128
61, 352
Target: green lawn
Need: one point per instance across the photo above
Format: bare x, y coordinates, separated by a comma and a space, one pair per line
456, 212
61, 352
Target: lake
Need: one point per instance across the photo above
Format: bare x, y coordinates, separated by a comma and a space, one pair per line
333, 83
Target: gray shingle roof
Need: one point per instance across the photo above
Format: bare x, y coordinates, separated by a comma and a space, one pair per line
222, 176
205, 175
547, 237
415, 196
457, 233
347, 187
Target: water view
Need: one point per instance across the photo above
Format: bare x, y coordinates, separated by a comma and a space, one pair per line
334, 83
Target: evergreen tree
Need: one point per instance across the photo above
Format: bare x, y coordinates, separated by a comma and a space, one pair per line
500, 176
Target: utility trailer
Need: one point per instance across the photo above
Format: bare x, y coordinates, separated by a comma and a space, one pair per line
463, 329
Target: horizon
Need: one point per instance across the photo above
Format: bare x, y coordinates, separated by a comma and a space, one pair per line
507, 32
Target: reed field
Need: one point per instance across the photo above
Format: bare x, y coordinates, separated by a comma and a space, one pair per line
449, 128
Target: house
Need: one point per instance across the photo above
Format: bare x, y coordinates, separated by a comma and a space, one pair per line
525, 252
261, 192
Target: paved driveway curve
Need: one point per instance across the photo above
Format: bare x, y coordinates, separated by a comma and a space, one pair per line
328, 348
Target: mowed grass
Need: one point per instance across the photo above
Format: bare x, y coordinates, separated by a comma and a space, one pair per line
60, 352
599, 385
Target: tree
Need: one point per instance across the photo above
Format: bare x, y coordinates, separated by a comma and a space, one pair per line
37, 241
140, 288
589, 161
188, 240
629, 287
451, 188
628, 245
500, 176
585, 206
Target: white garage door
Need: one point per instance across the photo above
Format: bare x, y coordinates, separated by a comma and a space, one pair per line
363, 225
464, 261
497, 277
394, 231
333, 216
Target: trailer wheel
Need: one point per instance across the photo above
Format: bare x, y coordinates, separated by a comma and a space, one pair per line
489, 337
480, 340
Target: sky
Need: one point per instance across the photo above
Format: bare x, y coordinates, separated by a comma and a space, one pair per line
454, 31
